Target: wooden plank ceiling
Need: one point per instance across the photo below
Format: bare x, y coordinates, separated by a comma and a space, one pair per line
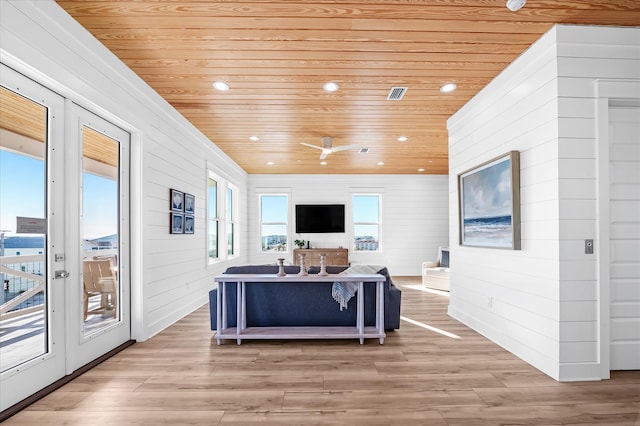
277, 54
27, 118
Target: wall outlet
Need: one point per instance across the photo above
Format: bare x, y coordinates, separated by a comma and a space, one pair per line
490, 302
588, 246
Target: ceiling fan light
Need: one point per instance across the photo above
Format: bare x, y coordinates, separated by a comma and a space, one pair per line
403, 139
221, 86
448, 87
330, 86
515, 5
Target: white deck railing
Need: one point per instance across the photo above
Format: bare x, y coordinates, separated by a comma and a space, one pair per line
8, 265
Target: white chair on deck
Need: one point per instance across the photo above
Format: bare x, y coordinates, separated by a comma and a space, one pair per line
435, 274
100, 279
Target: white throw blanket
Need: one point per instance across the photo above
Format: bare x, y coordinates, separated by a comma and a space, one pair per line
342, 292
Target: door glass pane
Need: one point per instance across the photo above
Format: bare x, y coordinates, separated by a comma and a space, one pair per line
100, 231
23, 227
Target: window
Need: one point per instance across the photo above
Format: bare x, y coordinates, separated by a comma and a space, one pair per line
366, 222
212, 213
222, 213
274, 222
230, 219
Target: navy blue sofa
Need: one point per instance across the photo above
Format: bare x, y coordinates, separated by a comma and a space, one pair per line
299, 304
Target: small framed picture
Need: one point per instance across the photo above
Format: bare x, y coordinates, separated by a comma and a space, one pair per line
177, 223
189, 203
176, 199
189, 224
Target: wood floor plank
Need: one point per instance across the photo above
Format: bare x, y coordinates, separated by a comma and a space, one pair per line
432, 371
292, 368
301, 382
337, 418
567, 393
415, 382
116, 418
235, 400
359, 356
443, 365
92, 384
574, 414
365, 399
142, 369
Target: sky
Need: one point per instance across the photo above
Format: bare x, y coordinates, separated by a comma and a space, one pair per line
487, 193
21, 189
22, 193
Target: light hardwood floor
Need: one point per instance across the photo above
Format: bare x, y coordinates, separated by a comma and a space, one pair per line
432, 372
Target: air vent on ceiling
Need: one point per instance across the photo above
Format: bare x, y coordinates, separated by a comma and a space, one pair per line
396, 93
363, 150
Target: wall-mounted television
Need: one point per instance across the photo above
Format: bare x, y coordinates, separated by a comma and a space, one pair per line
319, 218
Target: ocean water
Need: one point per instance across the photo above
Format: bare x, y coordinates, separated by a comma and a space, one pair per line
488, 231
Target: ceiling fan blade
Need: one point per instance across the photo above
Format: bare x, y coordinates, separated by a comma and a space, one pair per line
324, 154
345, 147
311, 146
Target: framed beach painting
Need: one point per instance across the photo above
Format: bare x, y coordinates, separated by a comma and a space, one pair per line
489, 202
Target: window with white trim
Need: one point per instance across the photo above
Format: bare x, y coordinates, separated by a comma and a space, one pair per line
366, 222
274, 222
230, 218
213, 218
223, 227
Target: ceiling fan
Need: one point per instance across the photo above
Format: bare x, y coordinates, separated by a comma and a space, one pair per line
327, 147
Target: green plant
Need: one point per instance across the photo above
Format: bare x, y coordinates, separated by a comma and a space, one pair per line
299, 243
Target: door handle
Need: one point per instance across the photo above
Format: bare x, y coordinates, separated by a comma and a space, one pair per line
60, 274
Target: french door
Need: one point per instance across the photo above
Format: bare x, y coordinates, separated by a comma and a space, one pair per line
64, 252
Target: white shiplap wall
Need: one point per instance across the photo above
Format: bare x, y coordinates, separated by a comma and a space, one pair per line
586, 56
540, 302
170, 276
414, 215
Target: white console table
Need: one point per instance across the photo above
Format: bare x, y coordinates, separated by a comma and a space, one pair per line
241, 331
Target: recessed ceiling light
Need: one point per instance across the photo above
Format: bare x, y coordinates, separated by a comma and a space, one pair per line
515, 5
380, 163
421, 170
448, 88
221, 86
323, 163
269, 163
330, 86
254, 138
403, 139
